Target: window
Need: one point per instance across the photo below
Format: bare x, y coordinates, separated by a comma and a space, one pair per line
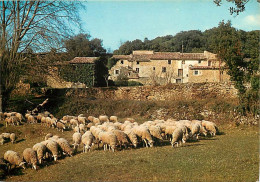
163, 69
137, 70
178, 80
122, 62
196, 72
183, 62
180, 72
137, 62
209, 63
199, 61
169, 61
116, 72
154, 68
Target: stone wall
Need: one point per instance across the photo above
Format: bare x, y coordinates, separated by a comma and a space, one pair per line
170, 92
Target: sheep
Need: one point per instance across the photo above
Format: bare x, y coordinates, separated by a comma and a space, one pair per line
195, 130
76, 139
54, 137
6, 135
52, 146
65, 146
155, 132
121, 138
14, 159
48, 121
19, 116
29, 156
43, 120
177, 137
103, 118
31, 119
210, 127
76, 129
40, 149
87, 140
8, 121
12, 137
169, 129
39, 117
49, 135
67, 118
81, 128
46, 113
113, 119
132, 120
82, 120
144, 134
60, 126
108, 138
89, 125
132, 137
54, 122
95, 131
74, 122
2, 140
96, 121
91, 118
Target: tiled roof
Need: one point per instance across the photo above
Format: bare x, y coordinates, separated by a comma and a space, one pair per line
83, 60
122, 57
162, 56
204, 67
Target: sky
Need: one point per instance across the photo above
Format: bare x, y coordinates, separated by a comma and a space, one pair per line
118, 21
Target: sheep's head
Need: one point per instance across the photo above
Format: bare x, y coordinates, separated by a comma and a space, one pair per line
151, 143
22, 164
35, 167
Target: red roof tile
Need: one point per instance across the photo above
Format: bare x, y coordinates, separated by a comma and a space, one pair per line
83, 60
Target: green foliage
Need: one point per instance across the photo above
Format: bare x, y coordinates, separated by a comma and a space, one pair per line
78, 73
111, 62
82, 46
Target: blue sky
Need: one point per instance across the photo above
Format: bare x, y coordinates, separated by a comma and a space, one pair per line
118, 21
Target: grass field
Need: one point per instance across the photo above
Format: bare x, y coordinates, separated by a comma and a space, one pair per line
232, 156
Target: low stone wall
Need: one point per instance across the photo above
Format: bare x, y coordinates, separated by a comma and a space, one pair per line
169, 92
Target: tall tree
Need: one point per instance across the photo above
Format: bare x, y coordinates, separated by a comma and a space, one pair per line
38, 25
82, 46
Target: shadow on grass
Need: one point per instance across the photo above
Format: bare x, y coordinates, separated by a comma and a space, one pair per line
21, 140
221, 133
15, 172
1, 125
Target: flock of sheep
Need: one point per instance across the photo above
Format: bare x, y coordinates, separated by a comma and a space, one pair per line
105, 130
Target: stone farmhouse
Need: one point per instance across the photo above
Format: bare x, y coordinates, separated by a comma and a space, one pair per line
149, 67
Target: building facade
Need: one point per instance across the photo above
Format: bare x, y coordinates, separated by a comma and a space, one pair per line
149, 67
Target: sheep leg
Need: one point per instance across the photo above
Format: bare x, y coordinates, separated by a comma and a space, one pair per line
145, 143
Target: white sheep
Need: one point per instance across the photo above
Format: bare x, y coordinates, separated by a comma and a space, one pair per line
76, 129
96, 121
108, 138
144, 134
31, 119
52, 147
30, 156
49, 135
132, 136
14, 159
87, 140
177, 137
195, 130
40, 149
103, 118
82, 120
12, 137
65, 146
2, 140
113, 119
210, 127
121, 138
60, 126
76, 139
81, 128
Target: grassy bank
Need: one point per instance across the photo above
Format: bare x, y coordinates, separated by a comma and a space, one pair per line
232, 156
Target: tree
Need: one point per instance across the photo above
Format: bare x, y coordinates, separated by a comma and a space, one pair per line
38, 25
239, 5
81, 46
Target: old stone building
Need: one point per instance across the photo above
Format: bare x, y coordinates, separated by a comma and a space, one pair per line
149, 67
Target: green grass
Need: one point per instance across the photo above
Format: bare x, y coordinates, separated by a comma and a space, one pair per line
232, 156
